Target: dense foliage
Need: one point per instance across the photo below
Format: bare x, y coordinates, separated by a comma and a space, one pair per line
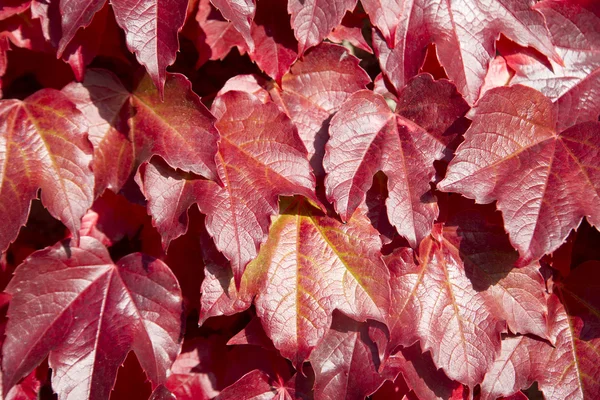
300, 199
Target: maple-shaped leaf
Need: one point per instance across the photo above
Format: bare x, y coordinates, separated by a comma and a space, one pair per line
574, 86
43, 145
89, 314
127, 128
260, 157
346, 362
313, 20
464, 33
258, 385
544, 180
367, 137
310, 265
436, 302
276, 48
314, 89
241, 14
567, 370
469, 262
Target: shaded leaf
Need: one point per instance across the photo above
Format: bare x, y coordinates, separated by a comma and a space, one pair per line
574, 86
367, 137
567, 370
464, 38
240, 13
346, 351
544, 180
133, 126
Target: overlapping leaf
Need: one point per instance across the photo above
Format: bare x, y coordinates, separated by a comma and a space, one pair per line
313, 20
310, 265
127, 128
464, 36
276, 48
574, 86
463, 287
544, 180
241, 14
151, 27
43, 145
315, 89
567, 370
88, 313
346, 351
367, 137
260, 158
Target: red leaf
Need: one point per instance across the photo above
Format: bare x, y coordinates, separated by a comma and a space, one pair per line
216, 36
310, 265
315, 89
367, 137
257, 141
253, 385
423, 377
567, 370
350, 29
240, 13
574, 86
276, 48
219, 294
385, 15
345, 353
103, 311
133, 126
464, 38
313, 20
545, 180
196, 370
12, 7
437, 303
151, 28
43, 146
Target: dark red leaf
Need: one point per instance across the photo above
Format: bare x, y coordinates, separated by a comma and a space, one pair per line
544, 180
350, 29
43, 146
216, 36
344, 353
567, 370
104, 310
12, 7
